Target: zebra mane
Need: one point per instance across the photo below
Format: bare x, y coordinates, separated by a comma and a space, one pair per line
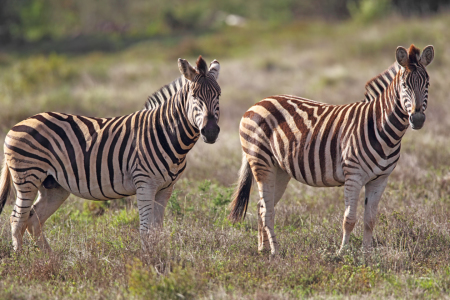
377, 85
164, 93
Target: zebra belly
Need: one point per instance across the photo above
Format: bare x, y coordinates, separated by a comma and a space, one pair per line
92, 184
314, 171
325, 180
104, 192
93, 191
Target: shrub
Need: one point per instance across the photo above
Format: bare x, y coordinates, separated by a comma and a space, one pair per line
368, 10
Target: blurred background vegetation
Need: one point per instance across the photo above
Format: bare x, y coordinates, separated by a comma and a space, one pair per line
25, 21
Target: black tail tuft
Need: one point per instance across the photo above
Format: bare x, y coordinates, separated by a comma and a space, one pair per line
241, 195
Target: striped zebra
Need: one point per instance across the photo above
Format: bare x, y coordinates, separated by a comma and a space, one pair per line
54, 154
324, 145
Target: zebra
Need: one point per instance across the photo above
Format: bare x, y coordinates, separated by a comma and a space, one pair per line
324, 145
144, 153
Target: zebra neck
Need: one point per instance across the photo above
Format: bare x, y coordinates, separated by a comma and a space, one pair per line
380, 83
165, 93
174, 125
391, 118
188, 112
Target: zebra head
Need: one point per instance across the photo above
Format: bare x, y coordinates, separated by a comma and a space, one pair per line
414, 82
203, 97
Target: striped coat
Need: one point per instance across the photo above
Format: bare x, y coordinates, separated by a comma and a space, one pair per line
323, 145
51, 155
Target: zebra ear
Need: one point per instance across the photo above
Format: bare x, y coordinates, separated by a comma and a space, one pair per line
214, 69
202, 67
186, 69
427, 55
401, 55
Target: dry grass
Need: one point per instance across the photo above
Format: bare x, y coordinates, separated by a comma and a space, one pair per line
199, 254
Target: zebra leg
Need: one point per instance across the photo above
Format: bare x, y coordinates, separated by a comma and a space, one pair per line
26, 193
263, 239
48, 202
266, 212
281, 182
351, 194
145, 194
161, 198
374, 190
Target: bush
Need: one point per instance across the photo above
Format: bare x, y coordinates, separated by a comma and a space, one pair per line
368, 10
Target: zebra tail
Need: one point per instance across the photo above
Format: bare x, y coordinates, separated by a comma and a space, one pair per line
241, 195
5, 185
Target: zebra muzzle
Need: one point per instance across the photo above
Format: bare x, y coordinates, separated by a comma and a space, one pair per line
210, 131
417, 120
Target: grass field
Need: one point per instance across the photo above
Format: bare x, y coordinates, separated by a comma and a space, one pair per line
199, 254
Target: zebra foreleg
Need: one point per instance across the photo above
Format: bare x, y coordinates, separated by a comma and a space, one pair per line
162, 197
48, 202
351, 194
374, 190
145, 194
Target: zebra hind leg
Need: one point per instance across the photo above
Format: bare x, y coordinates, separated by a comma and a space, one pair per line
26, 193
281, 180
281, 183
263, 239
48, 202
266, 181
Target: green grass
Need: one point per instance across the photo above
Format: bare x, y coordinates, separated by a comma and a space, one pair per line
199, 254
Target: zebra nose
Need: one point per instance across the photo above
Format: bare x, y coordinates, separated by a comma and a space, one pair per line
417, 120
210, 131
